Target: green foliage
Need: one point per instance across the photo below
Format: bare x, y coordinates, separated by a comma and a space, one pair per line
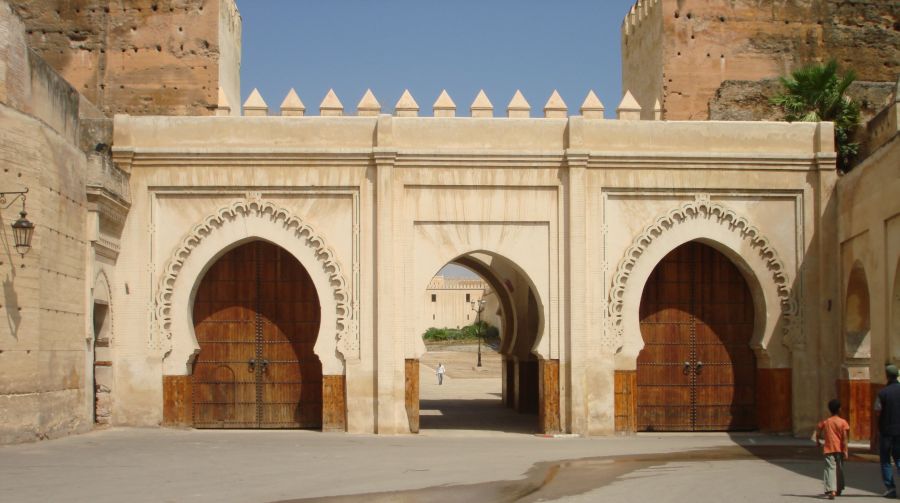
467, 333
817, 93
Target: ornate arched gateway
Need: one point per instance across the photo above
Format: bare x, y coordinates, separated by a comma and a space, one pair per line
253, 338
697, 370
256, 318
704, 305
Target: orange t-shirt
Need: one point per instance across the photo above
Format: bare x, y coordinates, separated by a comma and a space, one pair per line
833, 430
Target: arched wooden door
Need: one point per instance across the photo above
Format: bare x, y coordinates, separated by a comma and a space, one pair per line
256, 317
697, 371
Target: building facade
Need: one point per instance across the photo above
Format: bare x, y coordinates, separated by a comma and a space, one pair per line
564, 207
449, 303
242, 269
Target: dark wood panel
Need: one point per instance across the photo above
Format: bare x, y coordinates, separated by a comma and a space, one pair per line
177, 400
625, 405
334, 403
548, 410
773, 402
856, 406
412, 393
696, 370
256, 318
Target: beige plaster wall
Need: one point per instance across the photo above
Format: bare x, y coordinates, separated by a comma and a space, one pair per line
869, 235
43, 344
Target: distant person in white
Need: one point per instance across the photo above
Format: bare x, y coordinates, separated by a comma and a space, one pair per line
440, 373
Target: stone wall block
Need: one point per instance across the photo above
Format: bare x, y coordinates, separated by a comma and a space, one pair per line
628, 109
518, 107
482, 106
592, 107
368, 105
406, 106
331, 105
444, 105
255, 106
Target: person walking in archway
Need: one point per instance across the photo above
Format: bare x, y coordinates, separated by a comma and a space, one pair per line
887, 409
440, 373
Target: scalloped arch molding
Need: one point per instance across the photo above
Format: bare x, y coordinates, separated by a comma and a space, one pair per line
696, 210
289, 225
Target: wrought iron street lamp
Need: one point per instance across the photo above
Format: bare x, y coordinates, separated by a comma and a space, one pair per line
478, 306
23, 229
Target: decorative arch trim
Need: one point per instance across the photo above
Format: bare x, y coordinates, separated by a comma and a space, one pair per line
698, 210
347, 335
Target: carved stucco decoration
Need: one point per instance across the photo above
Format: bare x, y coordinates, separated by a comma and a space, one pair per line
702, 208
347, 336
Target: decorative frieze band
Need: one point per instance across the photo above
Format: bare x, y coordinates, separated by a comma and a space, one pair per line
702, 208
347, 327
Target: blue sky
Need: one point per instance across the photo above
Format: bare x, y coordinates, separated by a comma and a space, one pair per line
429, 45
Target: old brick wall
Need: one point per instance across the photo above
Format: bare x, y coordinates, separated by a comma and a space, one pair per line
140, 57
705, 42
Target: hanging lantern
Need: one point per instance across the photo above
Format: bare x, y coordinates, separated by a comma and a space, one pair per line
23, 229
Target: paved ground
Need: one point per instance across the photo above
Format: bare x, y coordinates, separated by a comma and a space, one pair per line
459, 456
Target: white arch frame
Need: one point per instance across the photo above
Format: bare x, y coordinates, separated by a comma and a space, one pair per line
776, 308
227, 228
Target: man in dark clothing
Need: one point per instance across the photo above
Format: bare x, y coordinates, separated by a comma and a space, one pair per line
887, 408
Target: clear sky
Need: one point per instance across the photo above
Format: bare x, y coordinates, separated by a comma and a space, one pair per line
429, 45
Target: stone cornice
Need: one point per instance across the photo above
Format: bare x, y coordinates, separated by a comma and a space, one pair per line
111, 206
158, 157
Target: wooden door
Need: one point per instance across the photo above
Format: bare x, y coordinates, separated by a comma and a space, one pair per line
697, 370
256, 317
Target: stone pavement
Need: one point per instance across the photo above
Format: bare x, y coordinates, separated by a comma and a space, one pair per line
471, 449
167, 465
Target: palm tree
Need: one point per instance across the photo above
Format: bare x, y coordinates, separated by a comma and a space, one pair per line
817, 93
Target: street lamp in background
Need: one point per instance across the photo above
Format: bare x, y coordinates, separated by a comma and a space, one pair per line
478, 306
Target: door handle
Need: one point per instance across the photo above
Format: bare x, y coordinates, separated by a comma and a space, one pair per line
687, 368
699, 367
253, 362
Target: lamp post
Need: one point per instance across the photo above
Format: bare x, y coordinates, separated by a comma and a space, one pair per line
478, 306
23, 229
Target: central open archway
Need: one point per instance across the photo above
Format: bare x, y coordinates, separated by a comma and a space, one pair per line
506, 392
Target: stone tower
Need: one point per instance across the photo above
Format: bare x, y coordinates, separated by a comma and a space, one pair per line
141, 57
680, 51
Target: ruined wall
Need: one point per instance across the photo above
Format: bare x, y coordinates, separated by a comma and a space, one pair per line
749, 100
140, 57
43, 383
705, 42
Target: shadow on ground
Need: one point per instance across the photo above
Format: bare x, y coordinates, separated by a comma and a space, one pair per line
553, 480
862, 468
473, 414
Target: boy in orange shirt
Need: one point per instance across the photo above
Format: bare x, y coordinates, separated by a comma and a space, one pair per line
835, 431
